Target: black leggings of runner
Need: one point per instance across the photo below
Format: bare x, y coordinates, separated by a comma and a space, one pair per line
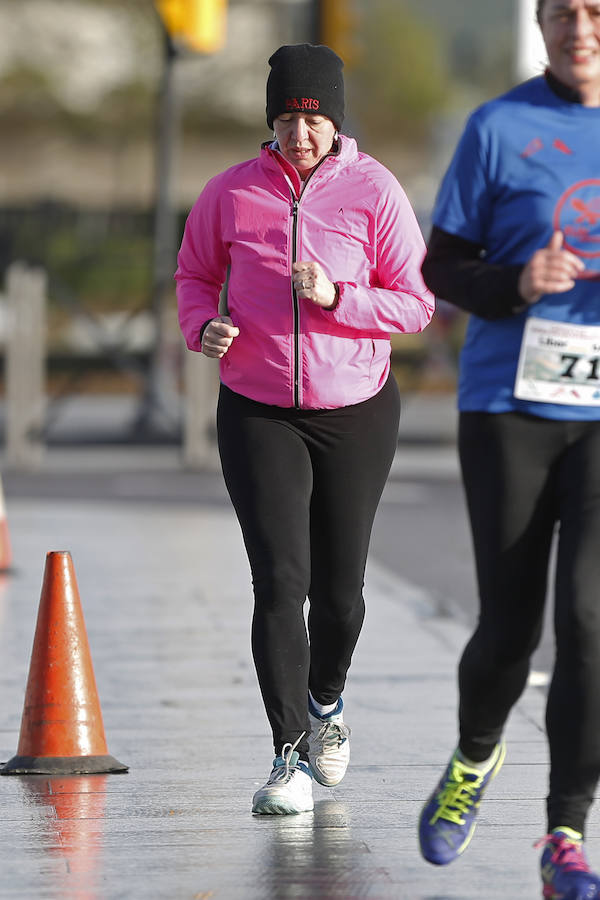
523, 476
305, 485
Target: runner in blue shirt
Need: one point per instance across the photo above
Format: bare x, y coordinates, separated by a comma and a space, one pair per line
516, 243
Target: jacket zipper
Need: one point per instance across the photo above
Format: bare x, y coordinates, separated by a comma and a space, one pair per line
296, 307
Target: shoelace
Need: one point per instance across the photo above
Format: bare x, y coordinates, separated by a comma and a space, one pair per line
566, 853
457, 796
332, 734
285, 772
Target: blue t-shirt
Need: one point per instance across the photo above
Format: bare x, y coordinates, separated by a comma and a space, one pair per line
528, 164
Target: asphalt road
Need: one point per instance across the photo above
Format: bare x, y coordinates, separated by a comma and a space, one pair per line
421, 533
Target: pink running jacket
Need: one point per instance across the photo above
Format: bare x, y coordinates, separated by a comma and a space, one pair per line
248, 227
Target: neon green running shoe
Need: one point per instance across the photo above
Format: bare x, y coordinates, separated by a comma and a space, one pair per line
448, 819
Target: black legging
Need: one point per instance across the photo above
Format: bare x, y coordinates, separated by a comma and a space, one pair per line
305, 485
522, 476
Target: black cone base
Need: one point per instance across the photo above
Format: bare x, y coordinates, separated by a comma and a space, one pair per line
62, 765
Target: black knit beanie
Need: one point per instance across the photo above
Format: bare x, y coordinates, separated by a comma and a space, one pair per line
306, 78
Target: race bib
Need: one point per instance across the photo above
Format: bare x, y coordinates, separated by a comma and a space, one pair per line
559, 363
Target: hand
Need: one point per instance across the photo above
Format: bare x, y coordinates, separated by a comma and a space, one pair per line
550, 270
218, 337
311, 282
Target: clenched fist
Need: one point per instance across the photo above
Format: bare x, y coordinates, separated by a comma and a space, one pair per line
218, 336
310, 281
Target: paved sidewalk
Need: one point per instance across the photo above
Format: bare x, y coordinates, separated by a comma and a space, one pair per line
165, 589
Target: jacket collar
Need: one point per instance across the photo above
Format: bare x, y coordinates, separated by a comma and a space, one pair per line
343, 152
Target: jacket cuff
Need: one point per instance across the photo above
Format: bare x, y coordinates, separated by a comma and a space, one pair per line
203, 329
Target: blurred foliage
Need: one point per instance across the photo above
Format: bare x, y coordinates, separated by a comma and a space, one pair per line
114, 274
104, 259
131, 107
493, 65
32, 92
26, 94
401, 85
479, 41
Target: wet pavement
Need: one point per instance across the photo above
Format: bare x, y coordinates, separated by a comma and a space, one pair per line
165, 591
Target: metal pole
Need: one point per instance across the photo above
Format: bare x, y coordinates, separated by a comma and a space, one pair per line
159, 409
25, 365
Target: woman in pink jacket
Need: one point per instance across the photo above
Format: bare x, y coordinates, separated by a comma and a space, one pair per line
321, 252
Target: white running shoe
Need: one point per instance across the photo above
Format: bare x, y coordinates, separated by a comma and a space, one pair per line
289, 788
328, 745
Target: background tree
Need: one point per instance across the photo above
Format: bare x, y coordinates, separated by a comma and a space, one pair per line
401, 80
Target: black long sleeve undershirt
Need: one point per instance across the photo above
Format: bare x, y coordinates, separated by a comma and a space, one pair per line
455, 271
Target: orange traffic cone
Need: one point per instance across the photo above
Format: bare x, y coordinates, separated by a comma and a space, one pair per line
5, 548
61, 730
